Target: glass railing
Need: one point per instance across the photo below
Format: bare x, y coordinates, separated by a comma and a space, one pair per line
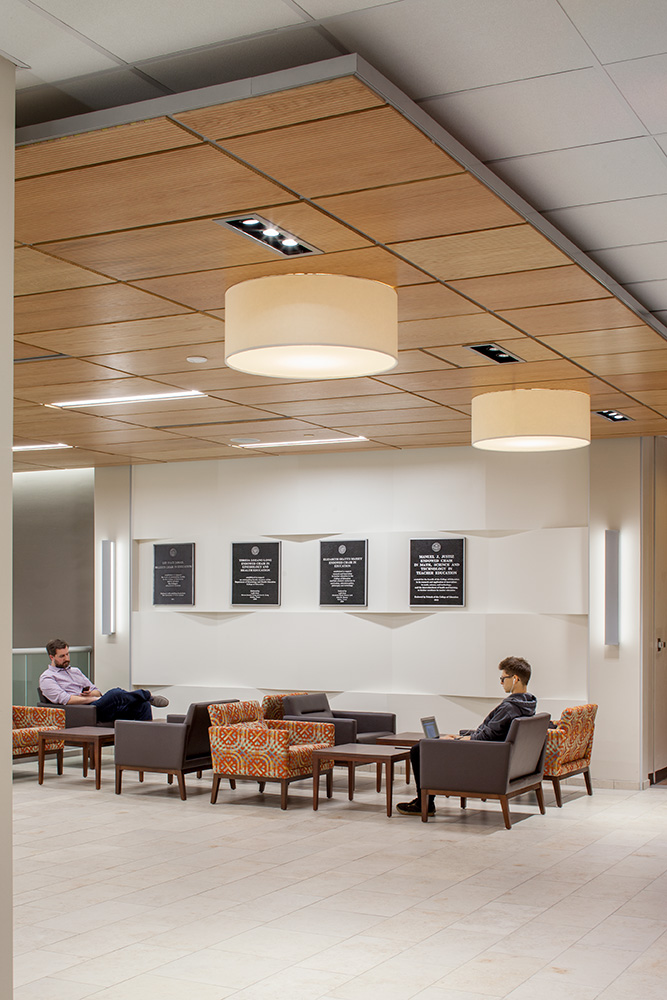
28, 664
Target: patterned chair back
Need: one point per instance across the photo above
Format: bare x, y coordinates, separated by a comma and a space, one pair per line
272, 704
236, 713
571, 743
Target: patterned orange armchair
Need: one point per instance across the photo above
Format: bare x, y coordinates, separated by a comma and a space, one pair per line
27, 720
272, 704
569, 747
244, 745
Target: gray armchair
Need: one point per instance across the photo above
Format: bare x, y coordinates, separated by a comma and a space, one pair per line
350, 727
482, 770
75, 715
177, 747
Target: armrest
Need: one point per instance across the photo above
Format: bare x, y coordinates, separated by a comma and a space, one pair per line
154, 744
175, 718
307, 733
44, 717
370, 722
80, 715
345, 730
470, 766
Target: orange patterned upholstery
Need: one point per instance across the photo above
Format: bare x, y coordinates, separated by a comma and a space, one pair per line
27, 720
569, 747
272, 704
245, 746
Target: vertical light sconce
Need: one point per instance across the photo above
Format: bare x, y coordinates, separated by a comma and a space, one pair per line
611, 582
108, 587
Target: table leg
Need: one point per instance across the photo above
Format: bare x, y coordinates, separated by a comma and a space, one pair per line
84, 750
390, 782
316, 782
350, 780
97, 752
41, 744
407, 770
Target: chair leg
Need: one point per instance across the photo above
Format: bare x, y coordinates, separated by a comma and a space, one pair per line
504, 805
262, 785
214, 788
232, 783
119, 779
330, 782
464, 803
283, 793
181, 785
59, 759
587, 779
170, 779
141, 775
559, 797
424, 804
378, 778
539, 792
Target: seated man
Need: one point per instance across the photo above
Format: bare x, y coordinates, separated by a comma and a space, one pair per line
514, 676
63, 684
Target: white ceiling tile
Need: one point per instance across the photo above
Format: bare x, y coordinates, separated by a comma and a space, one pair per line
52, 52
330, 8
613, 224
642, 82
430, 47
653, 294
662, 141
553, 112
629, 168
617, 29
138, 30
647, 262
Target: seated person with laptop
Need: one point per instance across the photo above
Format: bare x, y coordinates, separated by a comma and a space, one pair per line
514, 676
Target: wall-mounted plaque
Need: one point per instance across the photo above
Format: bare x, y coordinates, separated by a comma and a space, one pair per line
256, 573
174, 574
437, 572
343, 574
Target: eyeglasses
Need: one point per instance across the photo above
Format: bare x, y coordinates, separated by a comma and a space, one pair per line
505, 677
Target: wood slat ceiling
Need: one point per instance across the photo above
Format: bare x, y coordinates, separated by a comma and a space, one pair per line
121, 274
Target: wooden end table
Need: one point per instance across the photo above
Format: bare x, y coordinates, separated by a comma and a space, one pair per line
86, 737
353, 754
402, 740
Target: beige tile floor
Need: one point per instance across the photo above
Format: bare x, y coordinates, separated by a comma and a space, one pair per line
148, 896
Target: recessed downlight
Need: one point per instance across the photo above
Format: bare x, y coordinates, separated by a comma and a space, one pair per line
494, 353
269, 234
197, 359
613, 415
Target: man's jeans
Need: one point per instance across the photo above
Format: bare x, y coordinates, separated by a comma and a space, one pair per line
120, 704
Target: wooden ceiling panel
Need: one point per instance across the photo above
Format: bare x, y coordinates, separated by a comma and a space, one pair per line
618, 341
161, 187
461, 397
627, 364
348, 404
349, 153
115, 143
428, 301
526, 349
131, 335
59, 370
299, 391
37, 272
80, 458
86, 306
642, 382
381, 432
439, 440
519, 375
493, 251
319, 449
130, 435
176, 450
418, 361
286, 107
367, 418
544, 286
595, 314
436, 207
480, 328
103, 389
168, 359
214, 380
24, 350
249, 428
649, 426
206, 290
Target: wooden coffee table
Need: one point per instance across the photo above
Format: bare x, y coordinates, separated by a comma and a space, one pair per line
402, 740
87, 737
354, 754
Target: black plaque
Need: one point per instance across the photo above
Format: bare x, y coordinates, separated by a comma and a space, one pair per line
343, 574
174, 574
256, 573
437, 572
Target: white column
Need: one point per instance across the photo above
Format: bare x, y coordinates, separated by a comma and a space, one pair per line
113, 521
7, 85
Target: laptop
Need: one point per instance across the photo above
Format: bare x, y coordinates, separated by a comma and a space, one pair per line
430, 727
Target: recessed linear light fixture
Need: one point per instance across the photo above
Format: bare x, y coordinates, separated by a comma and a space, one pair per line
494, 353
262, 231
113, 400
40, 447
293, 444
612, 415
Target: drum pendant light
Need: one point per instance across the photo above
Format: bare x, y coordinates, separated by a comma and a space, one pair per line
531, 420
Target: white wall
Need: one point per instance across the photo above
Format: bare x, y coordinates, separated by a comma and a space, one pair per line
113, 498
525, 520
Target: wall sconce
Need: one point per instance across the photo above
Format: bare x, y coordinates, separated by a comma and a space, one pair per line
108, 587
611, 578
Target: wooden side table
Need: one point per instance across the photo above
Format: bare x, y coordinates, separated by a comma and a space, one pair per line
358, 753
402, 740
86, 737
